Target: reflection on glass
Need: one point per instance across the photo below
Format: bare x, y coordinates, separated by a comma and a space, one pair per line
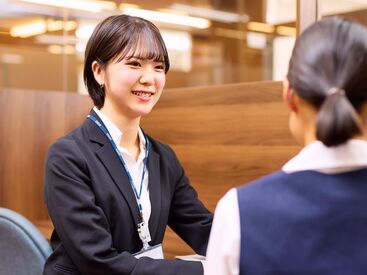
42, 42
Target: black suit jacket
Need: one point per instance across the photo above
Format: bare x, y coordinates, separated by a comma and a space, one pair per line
94, 210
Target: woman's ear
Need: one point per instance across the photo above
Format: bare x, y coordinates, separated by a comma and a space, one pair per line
289, 97
98, 73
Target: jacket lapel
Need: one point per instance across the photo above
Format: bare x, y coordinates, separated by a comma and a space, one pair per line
154, 192
111, 162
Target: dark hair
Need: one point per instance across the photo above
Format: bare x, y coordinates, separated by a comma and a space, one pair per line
121, 36
328, 68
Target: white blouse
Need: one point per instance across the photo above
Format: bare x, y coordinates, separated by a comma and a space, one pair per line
135, 167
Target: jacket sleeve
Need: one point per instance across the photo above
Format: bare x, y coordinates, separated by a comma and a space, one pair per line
82, 226
189, 218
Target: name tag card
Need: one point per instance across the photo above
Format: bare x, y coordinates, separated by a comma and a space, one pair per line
154, 252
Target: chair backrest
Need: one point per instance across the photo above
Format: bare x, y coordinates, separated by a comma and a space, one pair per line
23, 249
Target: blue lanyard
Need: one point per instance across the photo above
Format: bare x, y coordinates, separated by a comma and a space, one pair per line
137, 195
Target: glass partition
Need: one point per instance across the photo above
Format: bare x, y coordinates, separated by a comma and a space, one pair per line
209, 42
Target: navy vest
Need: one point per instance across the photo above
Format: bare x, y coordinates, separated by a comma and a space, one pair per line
304, 223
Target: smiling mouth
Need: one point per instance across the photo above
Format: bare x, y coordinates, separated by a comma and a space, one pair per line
142, 93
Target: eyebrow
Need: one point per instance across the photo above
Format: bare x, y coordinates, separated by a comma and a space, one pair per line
138, 57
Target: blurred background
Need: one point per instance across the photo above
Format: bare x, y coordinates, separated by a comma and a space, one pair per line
210, 42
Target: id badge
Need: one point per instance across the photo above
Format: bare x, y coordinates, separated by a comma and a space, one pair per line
144, 233
154, 252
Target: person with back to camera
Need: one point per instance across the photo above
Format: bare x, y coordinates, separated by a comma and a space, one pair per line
311, 216
110, 189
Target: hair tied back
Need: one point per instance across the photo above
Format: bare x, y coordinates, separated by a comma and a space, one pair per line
338, 120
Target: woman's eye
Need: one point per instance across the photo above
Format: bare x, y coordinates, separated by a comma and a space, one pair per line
134, 63
159, 67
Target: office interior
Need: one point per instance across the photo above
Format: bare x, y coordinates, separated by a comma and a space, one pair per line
221, 111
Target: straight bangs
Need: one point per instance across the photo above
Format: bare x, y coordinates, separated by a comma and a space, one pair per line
145, 44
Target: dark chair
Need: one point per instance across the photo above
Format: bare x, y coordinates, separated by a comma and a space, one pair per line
23, 249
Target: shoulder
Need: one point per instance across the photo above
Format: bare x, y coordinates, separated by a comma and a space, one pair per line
278, 189
228, 203
280, 179
265, 182
66, 147
266, 188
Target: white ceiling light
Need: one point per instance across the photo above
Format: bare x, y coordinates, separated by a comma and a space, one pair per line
30, 29
41, 26
216, 15
86, 5
166, 17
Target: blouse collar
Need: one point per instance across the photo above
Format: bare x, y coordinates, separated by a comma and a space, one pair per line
115, 132
349, 156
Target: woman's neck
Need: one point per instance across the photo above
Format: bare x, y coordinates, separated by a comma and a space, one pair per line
129, 128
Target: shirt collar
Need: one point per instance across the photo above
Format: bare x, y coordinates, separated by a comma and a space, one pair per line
316, 156
115, 132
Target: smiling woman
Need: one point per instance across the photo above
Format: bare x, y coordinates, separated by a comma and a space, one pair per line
132, 87
111, 190
112, 43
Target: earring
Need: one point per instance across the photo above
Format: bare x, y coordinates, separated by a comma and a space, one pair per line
101, 85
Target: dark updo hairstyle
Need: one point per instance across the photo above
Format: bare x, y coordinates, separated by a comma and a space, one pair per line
328, 68
121, 36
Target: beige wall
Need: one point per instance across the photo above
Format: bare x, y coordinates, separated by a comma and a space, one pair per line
37, 70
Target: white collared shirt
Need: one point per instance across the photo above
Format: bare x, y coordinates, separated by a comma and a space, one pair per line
223, 253
135, 167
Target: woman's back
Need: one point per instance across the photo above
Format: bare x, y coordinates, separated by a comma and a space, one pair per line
309, 218
305, 222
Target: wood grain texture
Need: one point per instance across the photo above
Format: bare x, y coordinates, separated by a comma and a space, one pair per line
31, 122
224, 136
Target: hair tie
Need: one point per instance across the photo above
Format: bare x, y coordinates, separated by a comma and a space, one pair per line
335, 90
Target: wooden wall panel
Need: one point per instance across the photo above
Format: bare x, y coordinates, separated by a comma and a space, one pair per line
236, 124
30, 122
223, 135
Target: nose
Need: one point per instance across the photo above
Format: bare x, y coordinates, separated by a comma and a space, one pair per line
147, 77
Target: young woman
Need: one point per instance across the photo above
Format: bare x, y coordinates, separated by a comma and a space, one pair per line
111, 189
310, 217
